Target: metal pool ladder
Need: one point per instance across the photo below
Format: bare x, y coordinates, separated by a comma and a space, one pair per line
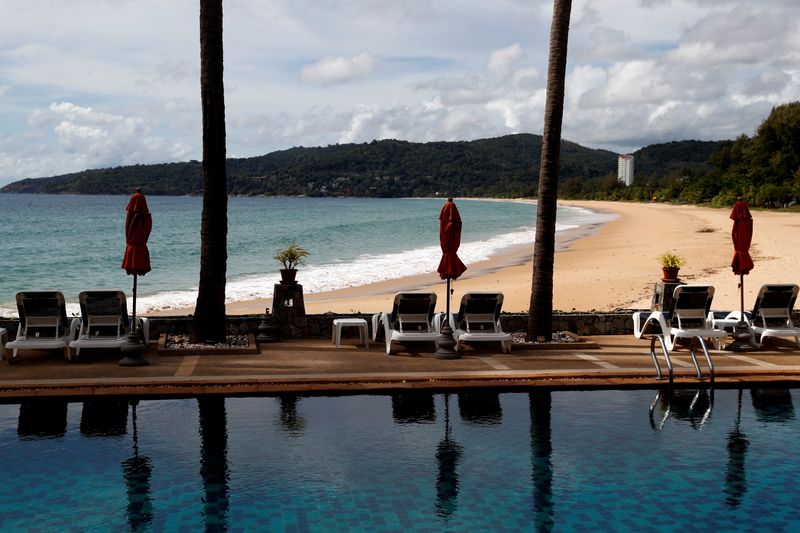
695, 340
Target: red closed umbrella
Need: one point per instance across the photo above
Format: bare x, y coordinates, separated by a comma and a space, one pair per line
742, 235
742, 263
450, 268
138, 224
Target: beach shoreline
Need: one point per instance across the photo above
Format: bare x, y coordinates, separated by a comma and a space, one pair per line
378, 296
598, 267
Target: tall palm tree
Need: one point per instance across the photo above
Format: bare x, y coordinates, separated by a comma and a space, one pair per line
540, 312
209, 314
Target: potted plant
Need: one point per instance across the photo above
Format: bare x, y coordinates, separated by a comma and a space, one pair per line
671, 263
290, 257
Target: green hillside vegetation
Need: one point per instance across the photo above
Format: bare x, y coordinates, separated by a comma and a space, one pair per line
764, 169
504, 166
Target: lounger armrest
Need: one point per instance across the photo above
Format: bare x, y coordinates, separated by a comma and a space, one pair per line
74, 328
654, 324
376, 321
145, 324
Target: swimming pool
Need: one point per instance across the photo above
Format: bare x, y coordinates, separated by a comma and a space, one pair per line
476, 460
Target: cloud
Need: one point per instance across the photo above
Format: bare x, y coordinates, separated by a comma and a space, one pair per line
337, 69
125, 87
65, 137
501, 61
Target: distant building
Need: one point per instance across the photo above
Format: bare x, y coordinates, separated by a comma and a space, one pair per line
625, 169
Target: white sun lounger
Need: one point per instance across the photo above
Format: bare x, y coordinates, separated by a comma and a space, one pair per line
478, 320
411, 319
43, 323
104, 321
687, 319
771, 315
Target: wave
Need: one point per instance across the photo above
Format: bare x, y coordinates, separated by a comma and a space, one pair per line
366, 269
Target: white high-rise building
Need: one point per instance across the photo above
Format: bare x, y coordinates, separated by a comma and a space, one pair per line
625, 169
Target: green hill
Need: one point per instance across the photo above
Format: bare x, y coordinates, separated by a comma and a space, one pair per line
502, 166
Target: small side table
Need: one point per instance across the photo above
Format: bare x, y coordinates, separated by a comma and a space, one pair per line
360, 323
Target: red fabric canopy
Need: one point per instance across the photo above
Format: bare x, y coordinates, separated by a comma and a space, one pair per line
742, 235
138, 224
450, 267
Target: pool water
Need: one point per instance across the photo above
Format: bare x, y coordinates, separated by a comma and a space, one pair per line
462, 461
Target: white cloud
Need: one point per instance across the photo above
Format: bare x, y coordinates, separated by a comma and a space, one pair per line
337, 69
69, 138
126, 80
501, 61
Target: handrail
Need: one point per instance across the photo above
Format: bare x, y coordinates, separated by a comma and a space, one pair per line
664, 350
697, 339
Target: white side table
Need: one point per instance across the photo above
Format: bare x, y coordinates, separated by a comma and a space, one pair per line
360, 323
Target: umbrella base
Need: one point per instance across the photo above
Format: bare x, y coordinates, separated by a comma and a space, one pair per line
742, 339
445, 346
133, 350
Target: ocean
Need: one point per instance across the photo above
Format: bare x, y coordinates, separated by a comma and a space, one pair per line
73, 243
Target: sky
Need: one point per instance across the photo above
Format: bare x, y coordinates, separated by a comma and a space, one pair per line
104, 83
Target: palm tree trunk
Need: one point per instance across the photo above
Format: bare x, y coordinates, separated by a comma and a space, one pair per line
540, 313
209, 315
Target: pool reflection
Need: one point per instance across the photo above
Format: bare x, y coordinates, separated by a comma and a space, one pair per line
772, 405
540, 402
214, 462
480, 408
735, 474
42, 418
480, 447
104, 417
288, 418
413, 408
684, 405
137, 472
448, 454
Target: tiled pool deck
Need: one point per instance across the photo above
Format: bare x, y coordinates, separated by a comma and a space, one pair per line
316, 366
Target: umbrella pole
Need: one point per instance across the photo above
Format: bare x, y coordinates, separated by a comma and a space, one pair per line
134, 325
445, 346
741, 294
742, 333
135, 346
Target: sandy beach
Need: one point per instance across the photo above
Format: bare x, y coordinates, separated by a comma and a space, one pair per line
609, 267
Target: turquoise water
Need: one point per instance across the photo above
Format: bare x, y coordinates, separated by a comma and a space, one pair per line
700, 460
73, 243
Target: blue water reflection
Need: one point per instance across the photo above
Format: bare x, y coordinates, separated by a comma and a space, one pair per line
537, 461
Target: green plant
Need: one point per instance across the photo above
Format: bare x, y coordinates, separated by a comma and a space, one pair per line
291, 256
671, 260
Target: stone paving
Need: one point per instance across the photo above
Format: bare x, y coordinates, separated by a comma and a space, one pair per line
316, 366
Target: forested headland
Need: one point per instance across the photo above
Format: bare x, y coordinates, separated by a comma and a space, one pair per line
764, 168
